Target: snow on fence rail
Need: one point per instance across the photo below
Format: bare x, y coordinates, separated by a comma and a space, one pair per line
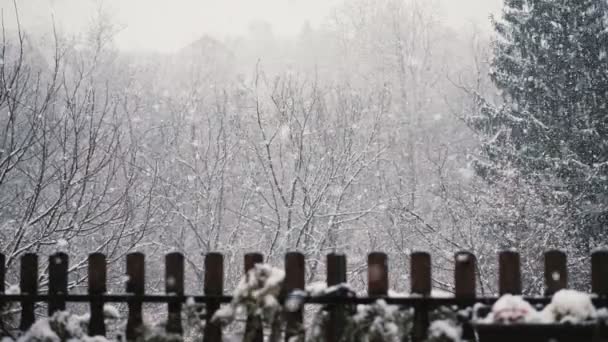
420, 300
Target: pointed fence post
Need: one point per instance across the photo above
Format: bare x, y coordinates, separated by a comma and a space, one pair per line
58, 282
213, 286
174, 284
336, 275
97, 287
136, 287
28, 285
556, 272
420, 275
253, 328
294, 280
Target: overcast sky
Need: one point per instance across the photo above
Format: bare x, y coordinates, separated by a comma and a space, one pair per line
167, 25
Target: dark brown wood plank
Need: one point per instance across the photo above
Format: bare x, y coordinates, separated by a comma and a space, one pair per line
58, 281
377, 274
2, 273
336, 274
136, 286
509, 273
213, 286
97, 274
420, 276
28, 284
556, 272
464, 274
464, 284
174, 284
253, 327
599, 272
294, 280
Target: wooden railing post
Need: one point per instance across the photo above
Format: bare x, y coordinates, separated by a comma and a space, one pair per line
509, 273
294, 280
556, 272
58, 282
174, 284
254, 331
420, 275
135, 286
336, 275
28, 284
97, 287
213, 286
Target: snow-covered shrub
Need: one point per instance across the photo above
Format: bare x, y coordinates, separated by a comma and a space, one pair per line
61, 326
381, 322
512, 309
569, 306
446, 323
256, 296
444, 330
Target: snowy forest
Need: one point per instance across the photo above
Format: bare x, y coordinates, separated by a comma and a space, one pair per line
381, 128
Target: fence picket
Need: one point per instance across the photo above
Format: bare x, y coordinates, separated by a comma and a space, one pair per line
464, 275
136, 286
253, 328
97, 287
58, 282
174, 284
377, 274
28, 284
294, 280
556, 272
336, 274
213, 286
464, 283
509, 273
599, 272
420, 275
2, 273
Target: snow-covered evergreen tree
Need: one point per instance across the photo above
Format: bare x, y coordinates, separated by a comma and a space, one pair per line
551, 132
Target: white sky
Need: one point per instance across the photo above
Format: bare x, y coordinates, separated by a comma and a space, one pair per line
167, 25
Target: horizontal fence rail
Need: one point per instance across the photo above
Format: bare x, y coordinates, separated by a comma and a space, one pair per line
420, 299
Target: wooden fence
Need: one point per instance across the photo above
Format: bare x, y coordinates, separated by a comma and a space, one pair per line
555, 275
